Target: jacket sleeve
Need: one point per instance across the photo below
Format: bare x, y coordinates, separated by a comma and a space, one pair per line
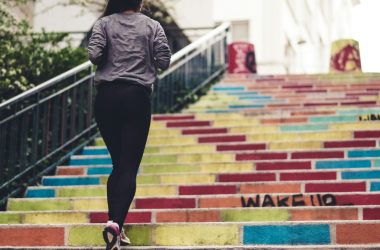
97, 44
161, 49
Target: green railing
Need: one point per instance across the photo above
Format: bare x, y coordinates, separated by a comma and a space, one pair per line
41, 128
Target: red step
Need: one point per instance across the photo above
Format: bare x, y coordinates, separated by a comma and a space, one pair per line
217, 139
335, 187
173, 118
261, 156
358, 199
358, 103
283, 165
371, 214
320, 104
246, 177
317, 155
207, 189
366, 134
350, 144
161, 203
308, 176
133, 217
237, 147
204, 131
188, 124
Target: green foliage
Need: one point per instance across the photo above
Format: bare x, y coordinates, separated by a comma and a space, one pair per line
28, 59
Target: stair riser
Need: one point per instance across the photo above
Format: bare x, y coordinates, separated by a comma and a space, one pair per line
210, 215
220, 178
194, 235
248, 199
278, 166
317, 145
241, 156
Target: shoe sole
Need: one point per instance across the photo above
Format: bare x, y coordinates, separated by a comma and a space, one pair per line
124, 243
110, 238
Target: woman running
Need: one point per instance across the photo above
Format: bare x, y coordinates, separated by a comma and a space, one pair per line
128, 48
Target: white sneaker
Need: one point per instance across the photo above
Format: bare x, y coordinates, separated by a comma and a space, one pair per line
111, 236
124, 240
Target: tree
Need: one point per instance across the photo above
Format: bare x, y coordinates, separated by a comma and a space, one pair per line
28, 59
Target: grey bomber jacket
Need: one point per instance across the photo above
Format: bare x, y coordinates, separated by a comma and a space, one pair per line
129, 47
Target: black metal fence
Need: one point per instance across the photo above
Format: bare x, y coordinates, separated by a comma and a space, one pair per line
192, 68
41, 128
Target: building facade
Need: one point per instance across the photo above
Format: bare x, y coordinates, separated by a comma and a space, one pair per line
290, 36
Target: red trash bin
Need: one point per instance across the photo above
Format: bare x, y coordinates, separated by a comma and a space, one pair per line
242, 58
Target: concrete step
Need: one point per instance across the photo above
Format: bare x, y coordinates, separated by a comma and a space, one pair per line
285, 108
346, 132
267, 247
96, 190
140, 216
234, 166
244, 146
279, 195
206, 234
200, 158
198, 178
281, 168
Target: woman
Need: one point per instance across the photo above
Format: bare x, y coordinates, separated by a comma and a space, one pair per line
128, 48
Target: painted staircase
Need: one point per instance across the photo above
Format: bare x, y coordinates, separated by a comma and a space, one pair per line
259, 162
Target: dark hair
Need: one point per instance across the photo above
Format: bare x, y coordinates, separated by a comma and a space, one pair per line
117, 6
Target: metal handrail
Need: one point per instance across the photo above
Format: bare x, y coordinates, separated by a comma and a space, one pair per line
189, 48
47, 84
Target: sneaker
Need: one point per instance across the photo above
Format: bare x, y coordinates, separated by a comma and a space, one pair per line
124, 240
111, 235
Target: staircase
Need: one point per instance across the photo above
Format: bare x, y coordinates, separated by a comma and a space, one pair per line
259, 162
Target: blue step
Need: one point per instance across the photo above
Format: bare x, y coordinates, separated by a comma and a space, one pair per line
364, 153
71, 181
287, 235
343, 164
361, 175
100, 151
91, 161
40, 193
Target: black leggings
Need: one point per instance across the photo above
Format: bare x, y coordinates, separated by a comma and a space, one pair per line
123, 114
